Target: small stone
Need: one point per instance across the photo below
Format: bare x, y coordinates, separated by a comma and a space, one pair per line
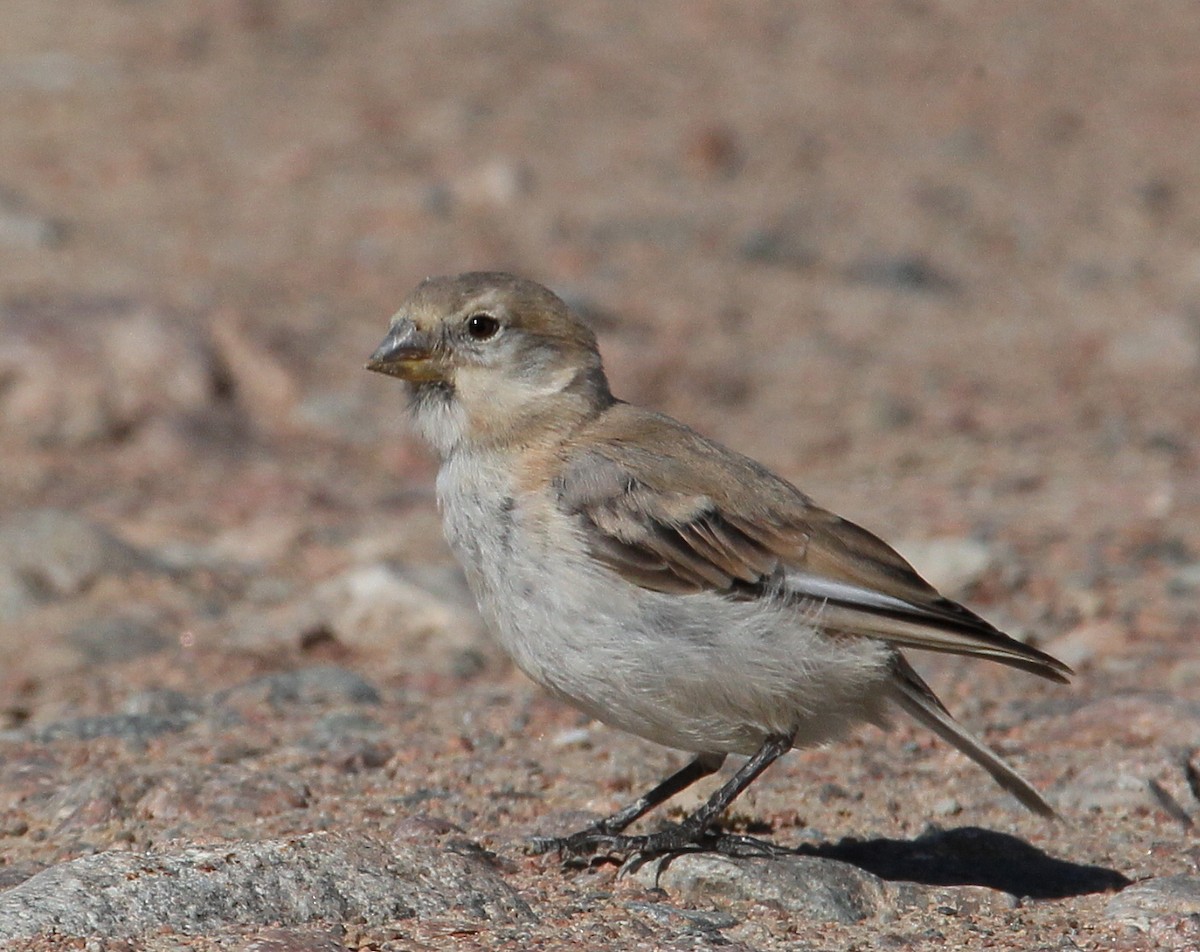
162, 702
786, 245
1159, 343
420, 620
1142, 903
1186, 580
132, 366
952, 565
135, 728
117, 638
703, 921
228, 790
572, 737
316, 686
714, 150
1082, 644
495, 184
1107, 787
48, 554
813, 887
903, 272
23, 227
887, 411
87, 804
294, 940
266, 388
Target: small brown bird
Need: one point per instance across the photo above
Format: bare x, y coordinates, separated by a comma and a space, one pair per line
656, 580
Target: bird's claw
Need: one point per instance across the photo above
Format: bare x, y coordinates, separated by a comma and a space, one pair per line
597, 845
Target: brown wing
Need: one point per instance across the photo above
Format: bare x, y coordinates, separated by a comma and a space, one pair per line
728, 525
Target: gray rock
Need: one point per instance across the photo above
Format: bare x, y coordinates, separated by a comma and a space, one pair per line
66, 387
814, 887
117, 638
47, 554
162, 702
24, 227
381, 604
1121, 786
421, 617
787, 245
136, 728
91, 802
280, 883
53, 71
18, 873
233, 791
319, 685
952, 565
1140, 904
904, 272
1186, 580
1088, 641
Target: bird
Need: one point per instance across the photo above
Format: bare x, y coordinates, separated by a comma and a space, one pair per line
656, 580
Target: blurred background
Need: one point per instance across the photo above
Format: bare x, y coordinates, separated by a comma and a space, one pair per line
937, 262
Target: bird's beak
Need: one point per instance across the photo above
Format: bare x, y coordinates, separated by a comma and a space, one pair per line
407, 353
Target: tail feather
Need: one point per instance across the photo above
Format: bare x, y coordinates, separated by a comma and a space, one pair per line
913, 695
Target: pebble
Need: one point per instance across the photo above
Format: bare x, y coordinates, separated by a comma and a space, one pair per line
133, 728
117, 638
1106, 787
786, 245
1084, 643
952, 565
572, 737
47, 554
134, 365
1186, 580
422, 617
902, 272
808, 886
22, 227
1142, 903
1159, 343
316, 686
294, 940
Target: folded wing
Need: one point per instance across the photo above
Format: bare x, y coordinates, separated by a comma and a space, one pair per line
712, 531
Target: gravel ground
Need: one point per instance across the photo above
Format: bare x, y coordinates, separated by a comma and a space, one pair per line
937, 263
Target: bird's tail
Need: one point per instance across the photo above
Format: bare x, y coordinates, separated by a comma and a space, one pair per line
919, 701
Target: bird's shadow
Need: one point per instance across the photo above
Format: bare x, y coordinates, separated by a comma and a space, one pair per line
971, 856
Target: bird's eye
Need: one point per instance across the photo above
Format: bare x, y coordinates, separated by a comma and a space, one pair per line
482, 326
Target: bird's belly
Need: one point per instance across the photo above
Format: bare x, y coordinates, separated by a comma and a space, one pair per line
696, 672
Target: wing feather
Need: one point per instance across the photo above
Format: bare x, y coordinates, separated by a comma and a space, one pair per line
712, 532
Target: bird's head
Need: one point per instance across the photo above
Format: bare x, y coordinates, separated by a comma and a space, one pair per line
492, 358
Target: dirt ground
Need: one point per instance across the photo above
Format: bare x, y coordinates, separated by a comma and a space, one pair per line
937, 263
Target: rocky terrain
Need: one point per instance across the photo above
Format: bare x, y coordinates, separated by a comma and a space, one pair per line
939, 264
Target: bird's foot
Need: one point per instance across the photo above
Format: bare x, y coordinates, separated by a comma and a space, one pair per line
594, 841
596, 844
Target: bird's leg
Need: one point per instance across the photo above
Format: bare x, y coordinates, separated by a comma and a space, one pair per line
693, 831
696, 769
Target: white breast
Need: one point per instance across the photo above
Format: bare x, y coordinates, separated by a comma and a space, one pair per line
698, 672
